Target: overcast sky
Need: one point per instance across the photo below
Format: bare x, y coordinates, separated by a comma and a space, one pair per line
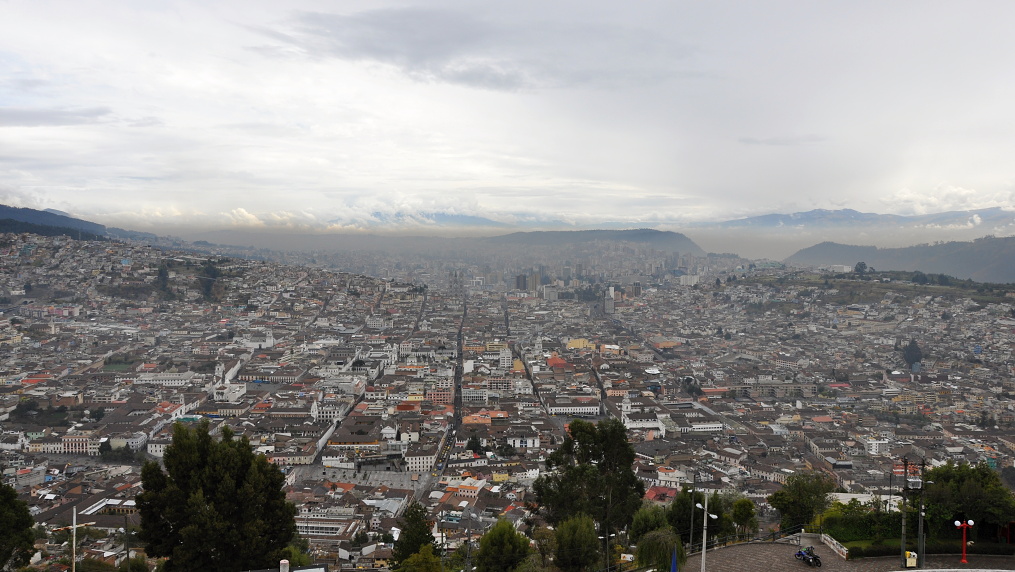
299, 112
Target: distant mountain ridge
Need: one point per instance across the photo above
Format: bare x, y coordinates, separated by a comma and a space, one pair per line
46, 218
988, 218
660, 239
988, 259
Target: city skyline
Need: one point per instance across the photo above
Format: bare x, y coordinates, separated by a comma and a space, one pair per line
315, 116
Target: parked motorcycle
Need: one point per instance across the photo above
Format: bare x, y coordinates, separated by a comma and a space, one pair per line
809, 556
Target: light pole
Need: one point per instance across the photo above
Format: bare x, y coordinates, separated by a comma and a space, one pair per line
694, 478
905, 488
964, 526
704, 530
606, 549
921, 544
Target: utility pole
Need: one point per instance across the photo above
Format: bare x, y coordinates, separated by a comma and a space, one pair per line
694, 478
905, 488
74, 537
921, 543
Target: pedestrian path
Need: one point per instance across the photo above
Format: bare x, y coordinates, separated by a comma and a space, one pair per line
758, 557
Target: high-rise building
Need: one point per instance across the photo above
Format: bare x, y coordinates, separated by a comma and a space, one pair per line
522, 282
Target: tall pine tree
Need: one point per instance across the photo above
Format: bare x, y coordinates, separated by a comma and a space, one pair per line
217, 506
415, 533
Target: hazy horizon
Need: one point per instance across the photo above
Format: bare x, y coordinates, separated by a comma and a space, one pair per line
309, 115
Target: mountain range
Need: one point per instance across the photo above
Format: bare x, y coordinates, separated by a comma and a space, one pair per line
988, 259
969, 253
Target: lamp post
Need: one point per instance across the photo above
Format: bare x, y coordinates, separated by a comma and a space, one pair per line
704, 530
964, 526
694, 478
606, 549
921, 544
905, 488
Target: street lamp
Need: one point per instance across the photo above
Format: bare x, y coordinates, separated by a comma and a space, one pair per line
606, 548
921, 542
964, 526
704, 530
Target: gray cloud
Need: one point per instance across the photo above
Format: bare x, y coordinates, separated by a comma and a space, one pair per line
506, 51
36, 117
783, 141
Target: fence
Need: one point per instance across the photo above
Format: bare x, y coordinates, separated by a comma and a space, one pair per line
835, 545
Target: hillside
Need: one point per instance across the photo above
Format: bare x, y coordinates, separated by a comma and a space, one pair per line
662, 240
988, 259
18, 227
50, 219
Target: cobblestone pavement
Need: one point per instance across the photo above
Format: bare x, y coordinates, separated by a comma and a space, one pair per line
777, 556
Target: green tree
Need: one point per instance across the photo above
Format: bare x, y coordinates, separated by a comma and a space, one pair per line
1008, 476
804, 496
17, 540
423, 561
501, 548
415, 534
912, 353
656, 549
546, 543
648, 518
591, 473
963, 491
860, 268
217, 505
475, 445
135, 564
745, 516
679, 514
577, 544
93, 565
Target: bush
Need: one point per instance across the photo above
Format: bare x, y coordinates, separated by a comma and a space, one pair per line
934, 547
873, 551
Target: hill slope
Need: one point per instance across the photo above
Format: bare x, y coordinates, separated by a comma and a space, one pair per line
50, 219
988, 259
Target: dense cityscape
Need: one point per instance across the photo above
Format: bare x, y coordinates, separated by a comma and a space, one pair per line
450, 383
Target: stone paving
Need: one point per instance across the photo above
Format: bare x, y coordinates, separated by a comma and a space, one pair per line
760, 557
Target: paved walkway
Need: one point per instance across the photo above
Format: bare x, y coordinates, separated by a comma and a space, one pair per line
760, 557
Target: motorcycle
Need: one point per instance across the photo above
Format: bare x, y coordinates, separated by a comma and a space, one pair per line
809, 556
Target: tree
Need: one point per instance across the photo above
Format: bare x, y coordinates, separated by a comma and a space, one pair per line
501, 548
1008, 476
860, 268
744, 515
591, 474
648, 518
217, 505
546, 543
656, 549
577, 544
17, 542
961, 492
135, 564
679, 513
803, 496
415, 534
912, 353
423, 561
475, 445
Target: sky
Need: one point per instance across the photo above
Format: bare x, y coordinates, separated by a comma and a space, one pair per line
343, 115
